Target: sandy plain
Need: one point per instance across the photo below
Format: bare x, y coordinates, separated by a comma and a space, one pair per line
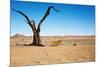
57, 50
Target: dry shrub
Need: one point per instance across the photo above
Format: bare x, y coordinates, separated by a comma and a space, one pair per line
74, 44
22, 39
56, 43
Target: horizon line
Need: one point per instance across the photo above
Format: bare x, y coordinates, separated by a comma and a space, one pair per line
55, 35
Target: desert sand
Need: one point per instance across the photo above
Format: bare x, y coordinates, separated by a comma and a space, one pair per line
58, 49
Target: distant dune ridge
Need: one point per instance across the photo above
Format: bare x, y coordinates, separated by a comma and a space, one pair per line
58, 49
18, 35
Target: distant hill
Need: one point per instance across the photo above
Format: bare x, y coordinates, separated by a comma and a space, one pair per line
18, 35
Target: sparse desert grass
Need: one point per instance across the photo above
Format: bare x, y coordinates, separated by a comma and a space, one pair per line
56, 50
56, 43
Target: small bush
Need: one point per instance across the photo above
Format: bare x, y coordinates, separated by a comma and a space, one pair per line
56, 43
22, 39
74, 44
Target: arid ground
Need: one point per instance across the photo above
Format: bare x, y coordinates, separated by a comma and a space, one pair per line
58, 49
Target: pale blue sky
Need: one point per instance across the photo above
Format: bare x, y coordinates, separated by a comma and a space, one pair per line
71, 20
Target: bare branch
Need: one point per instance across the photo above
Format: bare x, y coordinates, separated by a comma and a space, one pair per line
22, 14
54, 8
29, 23
46, 14
33, 25
27, 20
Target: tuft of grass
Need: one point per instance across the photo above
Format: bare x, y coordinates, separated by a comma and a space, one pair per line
74, 44
56, 43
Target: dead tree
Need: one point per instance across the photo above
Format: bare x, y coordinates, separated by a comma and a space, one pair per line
36, 30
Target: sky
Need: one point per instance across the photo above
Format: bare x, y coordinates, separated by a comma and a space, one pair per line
70, 20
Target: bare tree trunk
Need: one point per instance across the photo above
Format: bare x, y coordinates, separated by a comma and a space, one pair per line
36, 39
